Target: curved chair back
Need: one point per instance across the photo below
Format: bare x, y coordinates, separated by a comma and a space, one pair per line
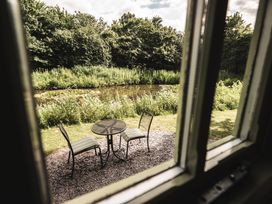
145, 122
65, 135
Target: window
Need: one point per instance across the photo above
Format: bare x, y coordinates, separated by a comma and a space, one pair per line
188, 174
235, 67
133, 41
238, 33
242, 129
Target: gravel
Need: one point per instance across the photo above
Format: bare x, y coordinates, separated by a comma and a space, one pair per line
88, 176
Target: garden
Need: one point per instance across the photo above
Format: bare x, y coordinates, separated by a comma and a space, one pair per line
84, 70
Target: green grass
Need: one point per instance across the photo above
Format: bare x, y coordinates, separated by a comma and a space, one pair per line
82, 107
53, 140
221, 125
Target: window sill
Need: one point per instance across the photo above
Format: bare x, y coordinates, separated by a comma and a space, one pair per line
132, 187
220, 142
219, 153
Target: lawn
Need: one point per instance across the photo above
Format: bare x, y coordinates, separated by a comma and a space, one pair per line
221, 125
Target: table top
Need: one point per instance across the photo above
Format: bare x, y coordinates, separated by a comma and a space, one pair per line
109, 127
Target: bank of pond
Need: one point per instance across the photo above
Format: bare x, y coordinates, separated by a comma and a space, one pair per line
72, 106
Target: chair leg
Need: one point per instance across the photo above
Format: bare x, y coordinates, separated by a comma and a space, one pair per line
73, 166
68, 161
100, 154
148, 145
127, 150
120, 141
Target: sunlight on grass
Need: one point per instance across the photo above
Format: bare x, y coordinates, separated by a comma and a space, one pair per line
222, 124
53, 140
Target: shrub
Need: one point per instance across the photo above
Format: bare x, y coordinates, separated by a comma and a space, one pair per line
227, 97
81, 106
65, 110
85, 108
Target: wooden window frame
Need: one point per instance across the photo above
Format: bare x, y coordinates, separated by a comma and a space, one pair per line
187, 170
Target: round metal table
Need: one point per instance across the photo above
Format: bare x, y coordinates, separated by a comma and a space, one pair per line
109, 128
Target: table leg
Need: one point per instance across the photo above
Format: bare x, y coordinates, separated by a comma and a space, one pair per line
111, 143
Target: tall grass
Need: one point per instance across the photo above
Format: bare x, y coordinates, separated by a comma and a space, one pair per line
72, 110
98, 76
75, 108
227, 96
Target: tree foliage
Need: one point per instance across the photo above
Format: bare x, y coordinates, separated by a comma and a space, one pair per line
145, 43
236, 44
57, 38
60, 39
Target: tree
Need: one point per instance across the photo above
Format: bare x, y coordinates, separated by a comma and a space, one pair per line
236, 44
32, 12
57, 38
145, 43
81, 43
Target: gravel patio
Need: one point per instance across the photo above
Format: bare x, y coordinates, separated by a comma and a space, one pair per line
88, 176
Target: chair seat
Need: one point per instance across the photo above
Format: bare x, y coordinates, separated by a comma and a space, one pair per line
133, 133
84, 144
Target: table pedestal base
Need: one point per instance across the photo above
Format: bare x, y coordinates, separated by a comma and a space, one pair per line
109, 149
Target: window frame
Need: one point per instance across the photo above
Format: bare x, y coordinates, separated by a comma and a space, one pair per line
245, 99
189, 170
250, 101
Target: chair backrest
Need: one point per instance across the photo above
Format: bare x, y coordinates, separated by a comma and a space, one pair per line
65, 135
145, 121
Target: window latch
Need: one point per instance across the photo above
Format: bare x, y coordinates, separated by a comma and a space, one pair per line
223, 185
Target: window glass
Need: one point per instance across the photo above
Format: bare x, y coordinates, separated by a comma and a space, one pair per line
93, 61
239, 25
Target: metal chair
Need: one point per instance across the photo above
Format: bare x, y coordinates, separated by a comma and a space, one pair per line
137, 133
80, 146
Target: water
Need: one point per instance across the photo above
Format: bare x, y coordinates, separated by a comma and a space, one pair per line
131, 91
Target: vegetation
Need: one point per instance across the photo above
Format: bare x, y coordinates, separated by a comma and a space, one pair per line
227, 96
145, 43
53, 140
58, 39
79, 51
221, 125
73, 107
236, 44
98, 76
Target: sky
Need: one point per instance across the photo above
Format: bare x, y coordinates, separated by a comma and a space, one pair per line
173, 12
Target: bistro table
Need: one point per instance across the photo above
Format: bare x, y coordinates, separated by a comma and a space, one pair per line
109, 128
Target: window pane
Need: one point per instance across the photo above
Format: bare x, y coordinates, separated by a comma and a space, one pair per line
102, 61
239, 27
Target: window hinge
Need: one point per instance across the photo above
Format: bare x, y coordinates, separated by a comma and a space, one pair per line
223, 185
